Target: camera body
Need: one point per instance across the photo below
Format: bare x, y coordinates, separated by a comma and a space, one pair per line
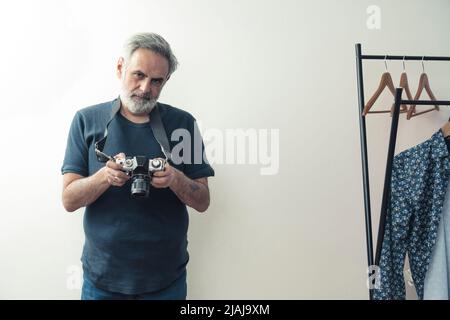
141, 169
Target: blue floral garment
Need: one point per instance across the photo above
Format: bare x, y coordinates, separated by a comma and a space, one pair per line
418, 187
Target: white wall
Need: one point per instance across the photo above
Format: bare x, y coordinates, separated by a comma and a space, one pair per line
287, 65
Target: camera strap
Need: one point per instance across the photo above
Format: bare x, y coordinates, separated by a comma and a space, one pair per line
156, 125
159, 131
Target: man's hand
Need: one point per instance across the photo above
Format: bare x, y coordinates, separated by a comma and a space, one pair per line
164, 179
114, 174
194, 193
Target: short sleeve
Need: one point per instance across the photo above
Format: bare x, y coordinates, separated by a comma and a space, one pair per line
76, 156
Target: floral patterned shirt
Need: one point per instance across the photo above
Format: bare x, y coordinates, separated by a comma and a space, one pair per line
419, 183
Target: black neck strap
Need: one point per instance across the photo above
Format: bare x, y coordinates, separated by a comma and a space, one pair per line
155, 123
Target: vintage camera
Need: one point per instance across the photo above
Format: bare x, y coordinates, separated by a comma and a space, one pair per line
141, 170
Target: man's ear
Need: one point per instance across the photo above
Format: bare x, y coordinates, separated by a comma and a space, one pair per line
120, 67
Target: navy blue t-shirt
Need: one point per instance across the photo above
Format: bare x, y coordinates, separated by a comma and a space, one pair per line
131, 245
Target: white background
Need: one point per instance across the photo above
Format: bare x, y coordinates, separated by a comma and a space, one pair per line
287, 65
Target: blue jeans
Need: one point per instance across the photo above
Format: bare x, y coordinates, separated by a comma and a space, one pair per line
176, 291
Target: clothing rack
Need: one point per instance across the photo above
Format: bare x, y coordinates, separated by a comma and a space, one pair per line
391, 149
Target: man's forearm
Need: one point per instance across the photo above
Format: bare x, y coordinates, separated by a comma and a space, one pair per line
192, 193
82, 192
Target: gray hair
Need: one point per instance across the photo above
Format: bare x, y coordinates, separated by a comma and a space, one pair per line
153, 42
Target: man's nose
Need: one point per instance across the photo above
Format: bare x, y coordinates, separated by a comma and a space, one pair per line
145, 86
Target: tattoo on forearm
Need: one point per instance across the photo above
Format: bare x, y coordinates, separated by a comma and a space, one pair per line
194, 187
192, 193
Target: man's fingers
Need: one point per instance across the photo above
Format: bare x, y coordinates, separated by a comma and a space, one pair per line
113, 165
157, 179
115, 181
120, 156
165, 172
119, 175
116, 174
160, 174
157, 184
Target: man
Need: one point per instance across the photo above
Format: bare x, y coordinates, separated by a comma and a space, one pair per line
134, 248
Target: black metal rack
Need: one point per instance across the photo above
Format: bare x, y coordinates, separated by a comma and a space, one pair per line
391, 149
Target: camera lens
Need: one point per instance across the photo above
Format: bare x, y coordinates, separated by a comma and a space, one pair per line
140, 186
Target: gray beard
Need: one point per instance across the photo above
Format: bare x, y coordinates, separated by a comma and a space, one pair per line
138, 105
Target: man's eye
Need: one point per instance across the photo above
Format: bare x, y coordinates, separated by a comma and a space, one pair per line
156, 81
139, 75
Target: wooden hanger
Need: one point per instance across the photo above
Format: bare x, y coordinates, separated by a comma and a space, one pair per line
385, 81
424, 83
405, 85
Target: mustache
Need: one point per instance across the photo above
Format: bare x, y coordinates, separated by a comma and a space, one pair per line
145, 96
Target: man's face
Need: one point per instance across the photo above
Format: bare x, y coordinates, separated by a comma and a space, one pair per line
143, 78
